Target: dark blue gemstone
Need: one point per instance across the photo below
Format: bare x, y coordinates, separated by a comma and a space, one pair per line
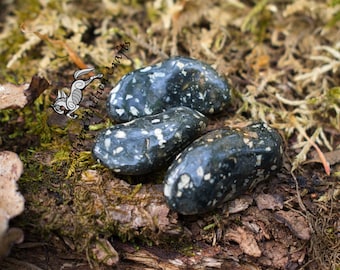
177, 81
148, 143
221, 165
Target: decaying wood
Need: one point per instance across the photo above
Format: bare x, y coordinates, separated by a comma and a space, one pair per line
11, 201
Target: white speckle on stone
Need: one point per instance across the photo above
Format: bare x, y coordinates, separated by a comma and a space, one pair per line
200, 171
156, 75
158, 132
268, 149
159, 135
116, 88
184, 73
120, 112
147, 110
117, 150
128, 97
179, 65
144, 132
167, 190
134, 111
108, 132
120, 134
183, 182
116, 170
273, 167
137, 157
107, 143
155, 121
178, 135
211, 110
202, 124
250, 144
207, 177
145, 69
258, 160
179, 194
112, 97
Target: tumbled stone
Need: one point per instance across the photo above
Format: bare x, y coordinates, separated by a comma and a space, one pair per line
148, 143
177, 81
221, 165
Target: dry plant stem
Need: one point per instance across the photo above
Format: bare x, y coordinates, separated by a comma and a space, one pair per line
72, 54
145, 45
321, 155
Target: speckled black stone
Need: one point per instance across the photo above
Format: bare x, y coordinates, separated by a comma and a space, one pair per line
221, 165
177, 81
148, 143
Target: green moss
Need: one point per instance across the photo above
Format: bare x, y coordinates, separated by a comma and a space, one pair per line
257, 20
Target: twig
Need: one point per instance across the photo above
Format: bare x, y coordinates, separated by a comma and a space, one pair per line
320, 154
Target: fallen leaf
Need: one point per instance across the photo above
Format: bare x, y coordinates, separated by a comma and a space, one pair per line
239, 204
269, 201
246, 241
105, 253
333, 157
295, 222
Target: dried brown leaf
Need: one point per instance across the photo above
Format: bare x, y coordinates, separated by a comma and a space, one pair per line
295, 222
269, 201
246, 241
239, 204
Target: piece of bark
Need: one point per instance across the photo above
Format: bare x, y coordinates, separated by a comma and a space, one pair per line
239, 204
11, 201
18, 96
296, 223
246, 241
269, 201
104, 252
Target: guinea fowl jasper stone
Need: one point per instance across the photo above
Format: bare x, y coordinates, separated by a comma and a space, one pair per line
221, 165
148, 143
177, 81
